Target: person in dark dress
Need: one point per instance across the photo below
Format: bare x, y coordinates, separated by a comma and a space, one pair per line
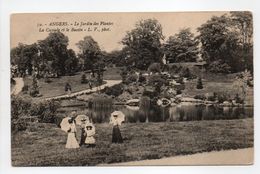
116, 134
83, 135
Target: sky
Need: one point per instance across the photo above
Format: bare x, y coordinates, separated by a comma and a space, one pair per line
25, 28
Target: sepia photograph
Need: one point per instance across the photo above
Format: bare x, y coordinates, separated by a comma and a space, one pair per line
132, 89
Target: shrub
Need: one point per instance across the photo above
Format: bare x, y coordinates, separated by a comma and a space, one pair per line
211, 98
200, 97
178, 92
115, 90
18, 125
19, 106
199, 84
25, 89
22, 108
45, 111
154, 68
238, 99
84, 79
223, 96
180, 80
186, 73
219, 67
141, 78
157, 82
34, 91
131, 78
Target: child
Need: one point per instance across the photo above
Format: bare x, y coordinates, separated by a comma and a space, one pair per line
90, 132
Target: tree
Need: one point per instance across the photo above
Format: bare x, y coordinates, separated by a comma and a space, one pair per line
243, 22
71, 63
144, 43
23, 56
90, 53
84, 79
54, 49
34, 91
182, 47
220, 44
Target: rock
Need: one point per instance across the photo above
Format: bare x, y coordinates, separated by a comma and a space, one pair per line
226, 103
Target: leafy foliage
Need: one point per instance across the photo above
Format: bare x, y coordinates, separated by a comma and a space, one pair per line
34, 90
144, 43
199, 84
22, 108
154, 68
54, 49
182, 47
226, 42
115, 90
84, 79
90, 52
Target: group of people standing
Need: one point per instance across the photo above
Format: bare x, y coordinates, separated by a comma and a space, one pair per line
87, 130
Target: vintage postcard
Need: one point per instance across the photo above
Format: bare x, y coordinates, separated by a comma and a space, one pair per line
132, 89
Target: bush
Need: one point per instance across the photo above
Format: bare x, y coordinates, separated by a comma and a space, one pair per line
141, 78
211, 98
22, 108
131, 79
34, 91
154, 68
199, 84
84, 79
18, 125
19, 106
45, 111
115, 90
238, 99
157, 81
223, 96
219, 67
186, 73
25, 89
180, 80
178, 92
200, 97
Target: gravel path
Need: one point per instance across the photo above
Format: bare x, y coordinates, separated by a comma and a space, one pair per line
227, 157
19, 83
108, 83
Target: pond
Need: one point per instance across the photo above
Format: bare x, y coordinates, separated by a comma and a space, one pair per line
180, 112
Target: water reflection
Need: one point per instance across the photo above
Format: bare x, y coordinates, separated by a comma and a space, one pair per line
173, 113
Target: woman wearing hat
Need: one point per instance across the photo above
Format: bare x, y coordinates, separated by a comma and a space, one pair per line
71, 140
116, 134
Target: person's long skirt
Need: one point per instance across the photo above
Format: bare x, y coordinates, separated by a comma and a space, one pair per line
116, 135
72, 141
82, 137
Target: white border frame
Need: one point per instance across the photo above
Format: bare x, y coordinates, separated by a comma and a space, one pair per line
36, 6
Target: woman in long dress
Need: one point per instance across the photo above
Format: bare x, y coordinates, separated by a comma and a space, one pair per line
116, 134
71, 140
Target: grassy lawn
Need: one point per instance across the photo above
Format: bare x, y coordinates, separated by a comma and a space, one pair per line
44, 144
112, 74
56, 87
218, 84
